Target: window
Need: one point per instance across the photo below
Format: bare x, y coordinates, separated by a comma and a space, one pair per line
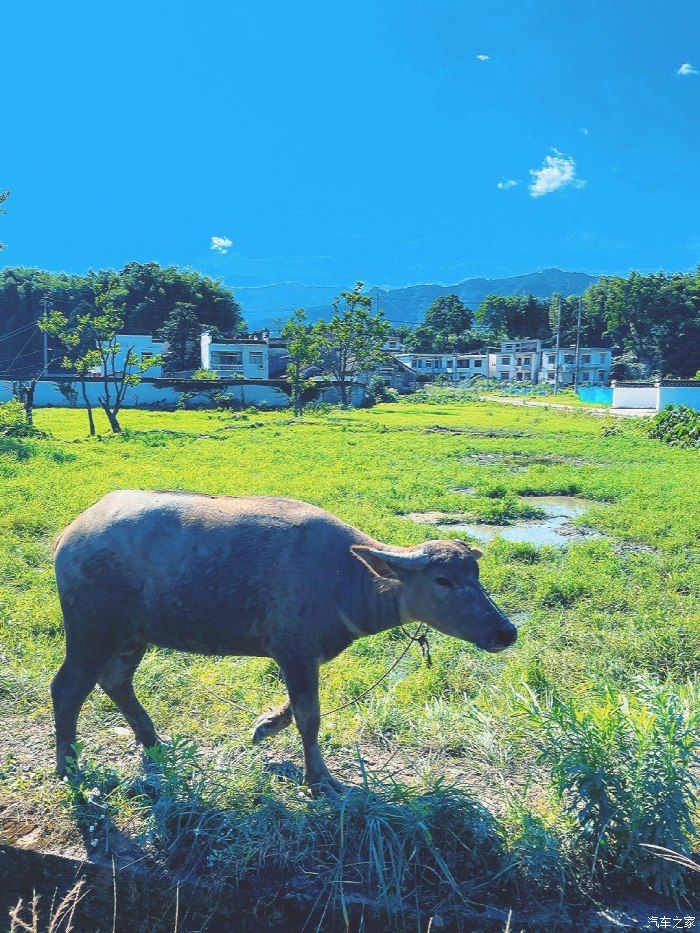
477, 363
601, 375
504, 375
586, 377
146, 355
519, 361
550, 358
568, 357
419, 364
527, 361
550, 374
256, 356
505, 361
586, 359
230, 359
463, 363
602, 357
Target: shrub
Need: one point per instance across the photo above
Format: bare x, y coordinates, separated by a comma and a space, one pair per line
626, 771
677, 425
13, 422
378, 391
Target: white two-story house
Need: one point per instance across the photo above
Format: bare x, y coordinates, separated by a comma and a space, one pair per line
594, 365
236, 356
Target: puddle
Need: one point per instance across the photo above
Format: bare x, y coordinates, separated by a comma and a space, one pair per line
558, 506
555, 528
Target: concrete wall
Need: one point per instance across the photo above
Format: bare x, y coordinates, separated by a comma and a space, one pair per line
634, 396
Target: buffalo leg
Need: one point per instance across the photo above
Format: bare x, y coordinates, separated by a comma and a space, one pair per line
302, 684
69, 689
272, 722
117, 681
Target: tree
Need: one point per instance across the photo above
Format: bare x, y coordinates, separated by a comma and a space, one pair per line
446, 328
304, 346
4, 195
91, 342
182, 330
352, 338
147, 295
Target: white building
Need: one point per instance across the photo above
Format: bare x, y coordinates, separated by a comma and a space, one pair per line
245, 356
517, 361
394, 345
594, 365
457, 367
143, 347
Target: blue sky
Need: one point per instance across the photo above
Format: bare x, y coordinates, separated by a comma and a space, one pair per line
327, 142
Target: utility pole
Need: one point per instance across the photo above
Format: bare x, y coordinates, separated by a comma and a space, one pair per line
578, 343
556, 352
45, 302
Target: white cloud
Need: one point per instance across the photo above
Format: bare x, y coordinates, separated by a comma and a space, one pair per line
687, 69
483, 58
221, 244
558, 171
505, 184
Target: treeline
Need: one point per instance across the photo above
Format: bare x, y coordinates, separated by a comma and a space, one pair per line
150, 299
651, 322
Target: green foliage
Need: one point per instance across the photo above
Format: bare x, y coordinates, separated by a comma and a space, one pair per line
304, 345
182, 330
352, 339
446, 328
205, 375
677, 425
13, 422
653, 320
626, 768
378, 391
145, 295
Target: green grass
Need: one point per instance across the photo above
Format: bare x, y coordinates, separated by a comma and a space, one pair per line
620, 613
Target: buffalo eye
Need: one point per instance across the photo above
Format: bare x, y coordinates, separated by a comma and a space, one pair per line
443, 581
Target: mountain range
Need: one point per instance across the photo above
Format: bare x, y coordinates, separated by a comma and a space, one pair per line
263, 305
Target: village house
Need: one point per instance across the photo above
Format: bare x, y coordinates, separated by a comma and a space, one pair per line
247, 357
457, 367
594, 365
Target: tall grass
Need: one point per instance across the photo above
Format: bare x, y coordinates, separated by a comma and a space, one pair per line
626, 768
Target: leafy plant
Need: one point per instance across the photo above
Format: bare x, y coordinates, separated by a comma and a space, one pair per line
677, 425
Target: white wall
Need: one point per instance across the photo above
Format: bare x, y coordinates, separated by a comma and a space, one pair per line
150, 394
139, 344
635, 396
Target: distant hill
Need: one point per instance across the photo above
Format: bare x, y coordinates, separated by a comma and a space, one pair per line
263, 304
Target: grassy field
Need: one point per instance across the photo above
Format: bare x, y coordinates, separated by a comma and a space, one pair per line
536, 773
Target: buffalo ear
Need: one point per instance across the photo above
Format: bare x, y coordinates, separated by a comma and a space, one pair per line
375, 564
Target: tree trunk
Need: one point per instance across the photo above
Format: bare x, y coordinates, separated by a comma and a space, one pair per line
112, 418
29, 403
342, 385
88, 408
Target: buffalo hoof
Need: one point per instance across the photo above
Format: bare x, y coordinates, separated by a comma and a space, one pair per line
271, 723
325, 785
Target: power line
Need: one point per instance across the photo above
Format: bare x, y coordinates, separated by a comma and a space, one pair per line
18, 331
24, 346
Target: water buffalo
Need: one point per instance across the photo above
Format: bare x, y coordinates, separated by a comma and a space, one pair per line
258, 576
